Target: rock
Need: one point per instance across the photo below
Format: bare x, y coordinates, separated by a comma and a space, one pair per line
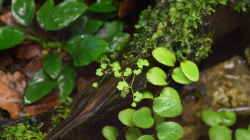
226, 85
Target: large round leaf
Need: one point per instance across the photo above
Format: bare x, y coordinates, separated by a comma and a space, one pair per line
167, 106
52, 64
132, 133
66, 80
146, 137
39, 86
179, 77
126, 115
220, 133
142, 118
10, 37
110, 133
23, 11
190, 70
169, 131
164, 56
157, 76
85, 49
242, 134
51, 17
170, 92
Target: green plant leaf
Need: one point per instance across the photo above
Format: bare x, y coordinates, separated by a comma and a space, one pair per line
102, 6
142, 118
167, 106
23, 11
170, 92
110, 29
228, 118
211, 118
39, 86
119, 42
132, 133
52, 65
190, 70
169, 131
126, 115
66, 80
146, 137
110, 133
242, 134
164, 56
51, 17
179, 77
220, 133
157, 76
85, 49
10, 37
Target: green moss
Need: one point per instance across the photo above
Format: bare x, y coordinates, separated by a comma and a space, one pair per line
22, 131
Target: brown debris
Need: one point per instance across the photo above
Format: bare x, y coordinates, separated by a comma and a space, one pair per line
7, 18
11, 87
28, 51
126, 7
32, 67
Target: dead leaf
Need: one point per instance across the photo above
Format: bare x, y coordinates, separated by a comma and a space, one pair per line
11, 87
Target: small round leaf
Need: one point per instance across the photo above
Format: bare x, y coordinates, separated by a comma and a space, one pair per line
169, 131
126, 115
220, 133
228, 118
157, 76
164, 56
190, 70
179, 77
132, 133
146, 137
142, 118
110, 133
242, 134
211, 118
167, 106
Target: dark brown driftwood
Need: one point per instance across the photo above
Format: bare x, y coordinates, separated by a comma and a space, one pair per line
91, 102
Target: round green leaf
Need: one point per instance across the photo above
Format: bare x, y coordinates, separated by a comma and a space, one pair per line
52, 65
51, 17
169, 131
126, 115
228, 118
132, 133
211, 118
179, 77
85, 49
102, 7
157, 76
23, 11
164, 56
10, 37
39, 86
220, 133
142, 118
146, 137
170, 92
190, 70
167, 106
66, 80
110, 29
242, 134
110, 133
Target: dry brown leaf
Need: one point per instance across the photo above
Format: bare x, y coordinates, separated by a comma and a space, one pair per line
11, 87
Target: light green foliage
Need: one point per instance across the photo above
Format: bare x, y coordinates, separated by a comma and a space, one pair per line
146, 137
169, 131
62, 111
157, 76
142, 118
126, 116
242, 134
190, 70
242, 6
132, 133
220, 133
164, 56
22, 131
179, 77
110, 132
224, 118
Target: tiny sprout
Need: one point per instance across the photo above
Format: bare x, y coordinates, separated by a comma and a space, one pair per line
142, 63
95, 85
128, 72
122, 85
